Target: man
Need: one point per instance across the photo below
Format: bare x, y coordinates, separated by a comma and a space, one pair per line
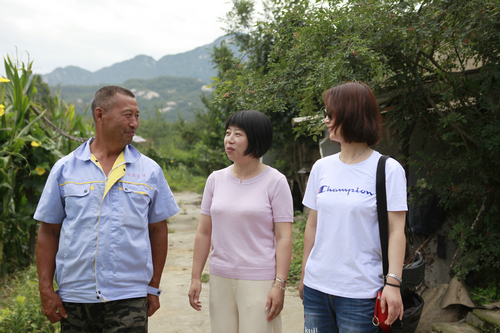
103, 230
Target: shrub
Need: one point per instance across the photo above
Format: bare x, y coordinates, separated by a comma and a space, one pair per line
20, 305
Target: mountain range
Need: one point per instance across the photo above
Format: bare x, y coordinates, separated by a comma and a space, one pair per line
172, 85
173, 97
194, 64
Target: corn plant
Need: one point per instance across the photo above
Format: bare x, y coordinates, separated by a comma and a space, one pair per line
14, 134
30, 143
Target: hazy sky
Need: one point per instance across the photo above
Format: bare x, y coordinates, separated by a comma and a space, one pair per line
92, 34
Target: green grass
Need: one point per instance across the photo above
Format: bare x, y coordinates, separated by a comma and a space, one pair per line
298, 228
205, 278
20, 306
180, 179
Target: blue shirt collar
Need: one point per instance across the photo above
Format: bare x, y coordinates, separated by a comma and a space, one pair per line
130, 153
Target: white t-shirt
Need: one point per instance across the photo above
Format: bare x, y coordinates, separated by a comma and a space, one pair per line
346, 258
243, 216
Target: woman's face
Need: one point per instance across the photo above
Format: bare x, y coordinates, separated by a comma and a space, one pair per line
334, 135
235, 143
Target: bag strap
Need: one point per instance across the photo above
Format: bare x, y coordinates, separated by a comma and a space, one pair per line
383, 221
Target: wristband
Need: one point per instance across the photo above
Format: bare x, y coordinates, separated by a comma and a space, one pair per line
395, 277
392, 285
279, 287
154, 291
280, 280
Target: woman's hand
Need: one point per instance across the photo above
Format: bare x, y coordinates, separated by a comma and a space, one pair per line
194, 294
309, 239
275, 302
276, 297
391, 296
392, 302
202, 242
301, 289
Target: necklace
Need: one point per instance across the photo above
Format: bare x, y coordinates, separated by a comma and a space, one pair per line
358, 155
248, 175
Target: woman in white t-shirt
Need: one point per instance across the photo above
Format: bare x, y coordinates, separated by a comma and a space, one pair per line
246, 225
342, 263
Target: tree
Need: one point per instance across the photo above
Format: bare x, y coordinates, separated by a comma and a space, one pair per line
434, 66
241, 85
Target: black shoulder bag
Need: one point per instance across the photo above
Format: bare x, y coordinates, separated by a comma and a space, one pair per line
413, 273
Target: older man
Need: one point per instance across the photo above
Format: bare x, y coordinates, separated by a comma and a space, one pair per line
103, 230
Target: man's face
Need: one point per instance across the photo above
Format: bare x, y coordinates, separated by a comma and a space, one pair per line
121, 121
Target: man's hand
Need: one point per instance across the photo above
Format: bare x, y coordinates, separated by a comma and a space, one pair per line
158, 235
46, 249
153, 304
52, 306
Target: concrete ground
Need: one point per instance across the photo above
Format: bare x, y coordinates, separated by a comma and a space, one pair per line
175, 314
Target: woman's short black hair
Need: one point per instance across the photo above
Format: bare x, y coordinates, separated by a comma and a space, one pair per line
354, 109
258, 129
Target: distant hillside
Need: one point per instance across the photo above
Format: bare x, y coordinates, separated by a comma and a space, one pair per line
170, 95
194, 64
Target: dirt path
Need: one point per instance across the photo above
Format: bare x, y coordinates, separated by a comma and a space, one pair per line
175, 314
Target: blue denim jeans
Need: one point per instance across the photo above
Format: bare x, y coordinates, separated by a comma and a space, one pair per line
333, 314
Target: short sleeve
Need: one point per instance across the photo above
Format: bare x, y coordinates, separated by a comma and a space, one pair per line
395, 186
282, 202
311, 189
163, 204
50, 208
208, 194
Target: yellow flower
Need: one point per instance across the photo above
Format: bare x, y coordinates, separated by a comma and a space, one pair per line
2, 79
40, 171
36, 144
2, 110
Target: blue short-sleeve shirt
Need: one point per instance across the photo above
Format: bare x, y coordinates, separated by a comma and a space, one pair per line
104, 249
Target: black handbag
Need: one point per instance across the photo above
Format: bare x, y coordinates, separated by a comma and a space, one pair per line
413, 273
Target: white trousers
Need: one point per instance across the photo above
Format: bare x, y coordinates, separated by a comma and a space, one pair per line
238, 306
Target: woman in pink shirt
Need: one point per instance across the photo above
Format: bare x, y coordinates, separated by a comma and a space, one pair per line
246, 226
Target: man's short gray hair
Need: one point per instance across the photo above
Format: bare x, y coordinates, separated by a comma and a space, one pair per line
103, 97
